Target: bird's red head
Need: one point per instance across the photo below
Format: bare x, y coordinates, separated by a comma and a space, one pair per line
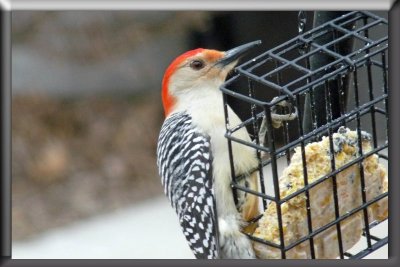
197, 68
203, 55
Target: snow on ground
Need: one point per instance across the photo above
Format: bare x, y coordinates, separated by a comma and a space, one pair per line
149, 230
146, 231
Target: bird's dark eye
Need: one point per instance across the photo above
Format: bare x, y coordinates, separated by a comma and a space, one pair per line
197, 64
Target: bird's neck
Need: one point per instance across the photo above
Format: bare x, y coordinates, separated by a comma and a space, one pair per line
205, 99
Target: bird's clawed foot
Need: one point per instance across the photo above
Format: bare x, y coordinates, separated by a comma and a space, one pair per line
277, 119
233, 243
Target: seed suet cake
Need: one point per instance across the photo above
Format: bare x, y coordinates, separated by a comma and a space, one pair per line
294, 211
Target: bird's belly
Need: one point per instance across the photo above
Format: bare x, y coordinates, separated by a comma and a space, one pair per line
244, 157
212, 122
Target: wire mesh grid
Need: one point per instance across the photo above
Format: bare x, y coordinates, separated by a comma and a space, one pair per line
349, 89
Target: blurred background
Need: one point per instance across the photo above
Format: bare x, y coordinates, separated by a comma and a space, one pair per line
86, 113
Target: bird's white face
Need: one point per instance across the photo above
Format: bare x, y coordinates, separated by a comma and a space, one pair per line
198, 72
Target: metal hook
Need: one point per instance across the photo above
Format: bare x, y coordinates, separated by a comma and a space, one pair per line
301, 21
301, 25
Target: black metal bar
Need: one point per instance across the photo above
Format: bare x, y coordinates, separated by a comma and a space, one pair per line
341, 83
242, 125
275, 178
370, 88
325, 177
250, 191
367, 26
352, 33
380, 111
233, 176
257, 140
378, 64
267, 83
262, 56
262, 241
343, 70
287, 64
313, 117
323, 129
336, 221
360, 153
268, 161
354, 16
285, 124
342, 97
329, 117
385, 91
310, 32
305, 175
375, 223
374, 247
385, 157
242, 97
372, 15
372, 236
250, 144
323, 87
381, 43
321, 17
321, 179
347, 254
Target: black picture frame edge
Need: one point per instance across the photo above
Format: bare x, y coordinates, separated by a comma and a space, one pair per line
5, 205
394, 127
5, 144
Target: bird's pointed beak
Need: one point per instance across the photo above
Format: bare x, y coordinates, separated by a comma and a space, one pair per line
235, 53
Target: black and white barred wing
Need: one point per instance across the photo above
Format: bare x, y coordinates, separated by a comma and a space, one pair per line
185, 166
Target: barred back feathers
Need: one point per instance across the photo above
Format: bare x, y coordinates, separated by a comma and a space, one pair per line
185, 165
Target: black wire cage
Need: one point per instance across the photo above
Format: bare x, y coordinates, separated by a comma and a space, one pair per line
338, 80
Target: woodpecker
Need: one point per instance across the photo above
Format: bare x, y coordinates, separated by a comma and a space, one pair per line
193, 157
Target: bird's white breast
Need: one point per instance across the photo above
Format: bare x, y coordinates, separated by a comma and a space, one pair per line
207, 112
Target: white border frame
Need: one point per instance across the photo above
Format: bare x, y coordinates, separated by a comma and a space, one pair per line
197, 4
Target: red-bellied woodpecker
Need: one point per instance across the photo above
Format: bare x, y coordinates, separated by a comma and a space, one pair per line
193, 158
